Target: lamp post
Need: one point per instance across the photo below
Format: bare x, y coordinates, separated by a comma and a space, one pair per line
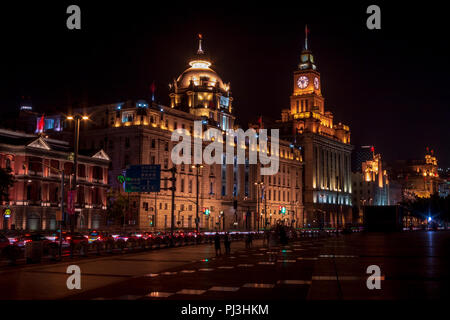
77, 118
197, 220
258, 185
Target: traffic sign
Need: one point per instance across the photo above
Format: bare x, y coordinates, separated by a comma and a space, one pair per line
143, 178
7, 213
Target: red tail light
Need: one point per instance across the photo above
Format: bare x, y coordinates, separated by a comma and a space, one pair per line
68, 238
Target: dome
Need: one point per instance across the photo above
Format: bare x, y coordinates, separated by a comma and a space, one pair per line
199, 73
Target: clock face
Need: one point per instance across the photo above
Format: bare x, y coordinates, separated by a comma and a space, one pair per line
316, 83
302, 82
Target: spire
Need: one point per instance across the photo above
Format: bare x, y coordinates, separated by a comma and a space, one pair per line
200, 51
306, 37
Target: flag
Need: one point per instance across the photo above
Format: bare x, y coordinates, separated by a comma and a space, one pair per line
40, 127
153, 88
260, 122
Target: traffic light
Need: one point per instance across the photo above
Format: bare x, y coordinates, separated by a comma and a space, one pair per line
206, 211
282, 210
152, 217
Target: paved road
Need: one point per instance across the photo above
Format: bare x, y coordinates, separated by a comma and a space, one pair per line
413, 265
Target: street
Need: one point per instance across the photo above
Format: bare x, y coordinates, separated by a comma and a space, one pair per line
414, 265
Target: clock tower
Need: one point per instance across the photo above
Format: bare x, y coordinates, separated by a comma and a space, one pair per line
307, 95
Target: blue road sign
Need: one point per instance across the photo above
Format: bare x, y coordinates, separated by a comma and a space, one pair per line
143, 178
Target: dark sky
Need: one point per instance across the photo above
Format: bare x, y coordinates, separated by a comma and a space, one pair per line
389, 85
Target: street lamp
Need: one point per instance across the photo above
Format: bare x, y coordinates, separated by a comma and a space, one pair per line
197, 220
77, 119
258, 185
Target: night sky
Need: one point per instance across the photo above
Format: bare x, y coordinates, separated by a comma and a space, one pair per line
390, 85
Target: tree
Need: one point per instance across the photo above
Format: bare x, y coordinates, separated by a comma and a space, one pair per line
117, 206
6, 182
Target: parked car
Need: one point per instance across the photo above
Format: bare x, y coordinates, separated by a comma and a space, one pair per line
4, 242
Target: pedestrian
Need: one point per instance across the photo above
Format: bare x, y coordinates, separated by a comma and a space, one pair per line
250, 240
227, 243
217, 244
267, 237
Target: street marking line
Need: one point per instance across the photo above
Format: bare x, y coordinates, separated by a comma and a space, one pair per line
286, 261
245, 265
191, 291
294, 282
128, 297
206, 269
259, 285
187, 271
345, 278
266, 262
168, 273
159, 294
151, 275
258, 254
225, 267
231, 289
306, 258
337, 256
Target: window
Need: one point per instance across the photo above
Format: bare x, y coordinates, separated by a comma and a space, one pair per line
190, 186
166, 146
297, 106
165, 206
153, 143
127, 142
166, 163
182, 185
8, 163
145, 206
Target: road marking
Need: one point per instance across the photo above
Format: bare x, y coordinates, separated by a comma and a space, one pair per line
168, 273
259, 285
258, 254
232, 289
346, 278
206, 269
308, 282
159, 294
191, 291
266, 262
225, 267
245, 265
306, 258
128, 297
286, 261
337, 256
151, 275
187, 271
299, 249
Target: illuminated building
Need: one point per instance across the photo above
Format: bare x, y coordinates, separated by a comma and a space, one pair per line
370, 182
35, 197
326, 147
200, 91
139, 132
419, 178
